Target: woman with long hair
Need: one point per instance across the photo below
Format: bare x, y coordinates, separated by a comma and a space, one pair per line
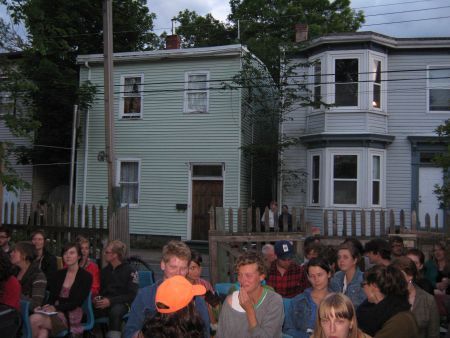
9, 298
301, 317
348, 279
87, 264
68, 288
31, 278
386, 312
336, 318
45, 260
438, 267
423, 305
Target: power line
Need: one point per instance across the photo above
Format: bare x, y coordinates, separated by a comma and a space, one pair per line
393, 4
404, 21
408, 11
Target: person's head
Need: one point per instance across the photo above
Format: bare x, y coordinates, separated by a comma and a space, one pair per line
397, 246
195, 266
274, 206
311, 239
84, 245
6, 268
284, 250
330, 254
377, 250
440, 251
356, 243
268, 252
251, 271
5, 237
285, 209
176, 313
407, 266
38, 239
381, 281
115, 251
348, 256
176, 256
336, 318
417, 257
313, 250
71, 254
319, 273
23, 252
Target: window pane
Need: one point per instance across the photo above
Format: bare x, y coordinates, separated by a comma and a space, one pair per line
439, 75
129, 182
132, 105
440, 99
345, 192
132, 85
345, 166
377, 71
376, 103
346, 95
129, 171
197, 81
316, 166
376, 167
346, 78
315, 191
375, 192
197, 101
207, 170
129, 193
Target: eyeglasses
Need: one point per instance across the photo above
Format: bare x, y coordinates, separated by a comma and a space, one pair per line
363, 284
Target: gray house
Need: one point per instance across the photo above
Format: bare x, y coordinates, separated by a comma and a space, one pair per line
178, 138
372, 148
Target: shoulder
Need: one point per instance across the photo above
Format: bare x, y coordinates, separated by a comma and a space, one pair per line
302, 299
338, 276
83, 274
274, 297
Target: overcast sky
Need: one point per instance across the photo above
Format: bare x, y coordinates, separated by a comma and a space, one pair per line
376, 11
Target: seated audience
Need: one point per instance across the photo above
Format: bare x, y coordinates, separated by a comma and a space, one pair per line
195, 271
285, 276
301, 318
378, 251
68, 287
45, 260
87, 264
253, 311
31, 278
422, 303
269, 256
397, 247
176, 312
348, 279
9, 298
438, 267
418, 258
175, 260
386, 312
336, 318
5, 237
119, 285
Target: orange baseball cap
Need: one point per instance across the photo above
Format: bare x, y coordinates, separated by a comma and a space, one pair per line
176, 293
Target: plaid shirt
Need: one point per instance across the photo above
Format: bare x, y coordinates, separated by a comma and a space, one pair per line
293, 282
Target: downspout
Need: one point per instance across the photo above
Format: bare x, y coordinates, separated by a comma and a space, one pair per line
86, 148
239, 138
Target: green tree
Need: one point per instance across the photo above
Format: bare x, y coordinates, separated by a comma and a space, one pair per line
443, 160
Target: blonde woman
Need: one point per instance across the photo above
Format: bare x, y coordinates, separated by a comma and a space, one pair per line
337, 318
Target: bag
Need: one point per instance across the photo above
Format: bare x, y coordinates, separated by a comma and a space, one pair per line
10, 321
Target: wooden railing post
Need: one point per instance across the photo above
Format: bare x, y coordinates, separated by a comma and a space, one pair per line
363, 222
325, 223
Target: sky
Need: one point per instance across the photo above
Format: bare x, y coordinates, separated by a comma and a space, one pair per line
376, 11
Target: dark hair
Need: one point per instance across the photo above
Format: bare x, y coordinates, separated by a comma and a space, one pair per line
320, 262
354, 251
379, 246
389, 279
356, 243
185, 323
6, 268
310, 239
395, 239
417, 253
69, 246
27, 249
38, 232
330, 254
6, 230
406, 265
317, 247
196, 257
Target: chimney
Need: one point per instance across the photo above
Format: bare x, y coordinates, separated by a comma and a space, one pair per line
173, 42
301, 32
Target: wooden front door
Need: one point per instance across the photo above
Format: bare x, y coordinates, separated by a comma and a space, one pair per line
204, 195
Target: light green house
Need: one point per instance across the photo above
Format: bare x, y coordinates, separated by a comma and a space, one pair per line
178, 138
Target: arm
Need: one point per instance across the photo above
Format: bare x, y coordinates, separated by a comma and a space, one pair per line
433, 330
95, 279
137, 312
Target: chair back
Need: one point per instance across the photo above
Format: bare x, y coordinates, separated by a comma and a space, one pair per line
25, 312
145, 278
223, 288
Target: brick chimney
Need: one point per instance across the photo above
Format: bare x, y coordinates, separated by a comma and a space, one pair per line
301, 32
173, 42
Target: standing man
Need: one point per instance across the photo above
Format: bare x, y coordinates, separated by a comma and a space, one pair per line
176, 256
119, 285
285, 217
273, 216
378, 251
5, 237
286, 276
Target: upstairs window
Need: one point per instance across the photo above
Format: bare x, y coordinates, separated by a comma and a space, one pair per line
317, 90
376, 76
196, 92
131, 96
129, 176
346, 82
439, 88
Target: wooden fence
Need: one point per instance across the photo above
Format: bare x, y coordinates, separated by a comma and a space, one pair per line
62, 224
231, 231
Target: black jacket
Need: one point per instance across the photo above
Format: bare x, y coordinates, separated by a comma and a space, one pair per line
78, 292
47, 263
119, 285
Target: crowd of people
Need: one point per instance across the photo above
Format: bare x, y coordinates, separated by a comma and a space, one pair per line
381, 289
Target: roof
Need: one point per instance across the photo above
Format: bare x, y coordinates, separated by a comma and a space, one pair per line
229, 50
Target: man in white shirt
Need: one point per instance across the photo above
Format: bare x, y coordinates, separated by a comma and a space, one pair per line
272, 216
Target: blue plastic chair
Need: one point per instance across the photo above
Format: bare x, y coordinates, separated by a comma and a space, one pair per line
89, 313
145, 278
25, 312
286, 306
222, 288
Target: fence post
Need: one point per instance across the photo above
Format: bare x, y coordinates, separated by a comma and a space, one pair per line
427, 222
258, 219
249, 223
230, 220
294, 218
239, 220
402, 221
344, 223
382, 223
363, 223
302, 220
372, 222
212, 225
334, 223
391, 221
325, 223
5, 211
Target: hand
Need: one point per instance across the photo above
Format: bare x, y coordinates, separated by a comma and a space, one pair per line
46, 308
102, 303
245, 300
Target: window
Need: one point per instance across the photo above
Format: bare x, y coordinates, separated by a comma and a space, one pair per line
131, 96
439, 88
129, 176
376, 75
345, 179
376, 180
196, 93
317, 90
315, 178
207, 171
346, 82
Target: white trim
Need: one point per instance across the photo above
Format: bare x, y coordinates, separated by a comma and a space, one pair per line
189, 209
122, 115
429, 87
118, 166
311, 155
382, 155
186, 109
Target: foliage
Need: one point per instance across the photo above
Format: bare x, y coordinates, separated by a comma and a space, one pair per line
9, 40
443, 160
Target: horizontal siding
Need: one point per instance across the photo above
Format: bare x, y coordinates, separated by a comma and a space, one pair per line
377, 123
316, 123
346, 122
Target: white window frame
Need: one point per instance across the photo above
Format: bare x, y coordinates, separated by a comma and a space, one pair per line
311, 180
332, 83
321, 82
429, 87
118, 168
122, 114
373, 56
186, 91
371, 179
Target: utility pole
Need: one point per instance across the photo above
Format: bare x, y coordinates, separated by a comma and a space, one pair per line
109, 102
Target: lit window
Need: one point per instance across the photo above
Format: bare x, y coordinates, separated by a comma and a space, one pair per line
129, 182
346, 82
131, 97
376, 73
